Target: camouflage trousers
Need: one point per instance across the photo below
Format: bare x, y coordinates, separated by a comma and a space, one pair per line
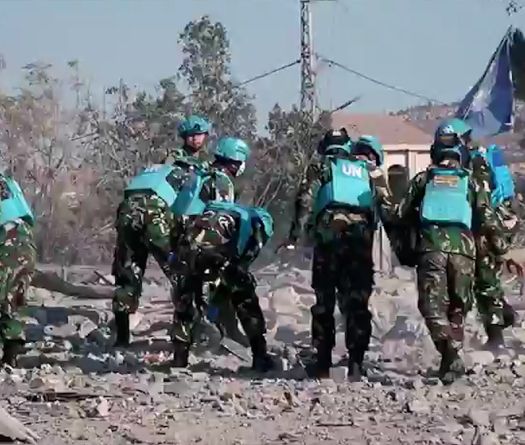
144, 226
445, 286
488, 291
17, 266
236, 286
343, 270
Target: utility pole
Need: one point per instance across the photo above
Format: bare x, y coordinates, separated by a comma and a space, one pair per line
307, 62
308, 103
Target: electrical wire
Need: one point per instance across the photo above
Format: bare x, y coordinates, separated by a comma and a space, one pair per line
379, 82
269, 73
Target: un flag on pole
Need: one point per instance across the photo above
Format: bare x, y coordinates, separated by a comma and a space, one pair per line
488, 106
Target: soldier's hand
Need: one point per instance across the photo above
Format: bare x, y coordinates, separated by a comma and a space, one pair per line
510, 264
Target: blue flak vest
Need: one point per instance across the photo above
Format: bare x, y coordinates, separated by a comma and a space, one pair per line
190, 200
15, 207
503, 183
247, 217
446, 199
264, 217
349, 186
155, 179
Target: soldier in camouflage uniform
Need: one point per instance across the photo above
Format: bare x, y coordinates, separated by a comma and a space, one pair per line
342, 232
496, 312
193, 131
145, 223
17, 265
236, 285
449, 205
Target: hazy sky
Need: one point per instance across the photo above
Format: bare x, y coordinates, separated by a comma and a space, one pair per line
435, 47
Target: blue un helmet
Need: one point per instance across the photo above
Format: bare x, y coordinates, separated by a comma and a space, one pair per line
450, 141
234, 151
193, 125
452, 132
369, 144
334, 141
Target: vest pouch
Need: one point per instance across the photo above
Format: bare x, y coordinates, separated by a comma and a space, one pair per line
446, 199
15, 207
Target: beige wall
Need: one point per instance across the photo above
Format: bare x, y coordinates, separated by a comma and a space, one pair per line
416, 158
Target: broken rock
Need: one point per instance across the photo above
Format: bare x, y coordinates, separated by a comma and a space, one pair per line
14, 429
418, 406
478, 357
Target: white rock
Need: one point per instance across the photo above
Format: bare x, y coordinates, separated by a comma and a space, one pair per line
481, 357
284, 300
134, 320
418, 407
479, 417
339, 374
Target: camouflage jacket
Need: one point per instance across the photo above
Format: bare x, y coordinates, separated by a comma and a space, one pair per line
317, 174
505, 215
219, 186
449, 239
185, 158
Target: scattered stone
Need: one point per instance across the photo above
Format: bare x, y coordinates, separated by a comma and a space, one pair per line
478, 357
478, 417
519, 370
13, 429
102, 408
417, 406
339, 374
416, 383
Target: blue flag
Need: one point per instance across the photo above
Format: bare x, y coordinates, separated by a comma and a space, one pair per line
488, 106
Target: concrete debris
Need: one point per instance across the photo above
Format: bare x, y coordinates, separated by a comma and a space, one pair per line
75, 388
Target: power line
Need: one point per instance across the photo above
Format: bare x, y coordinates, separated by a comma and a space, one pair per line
379, 82
253, 79
269, 73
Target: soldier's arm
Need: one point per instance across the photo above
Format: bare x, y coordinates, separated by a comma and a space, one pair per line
382, 194
487, 219
304, 200
412, 199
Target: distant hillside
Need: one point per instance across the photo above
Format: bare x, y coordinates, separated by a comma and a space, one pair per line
426, 118
427, 112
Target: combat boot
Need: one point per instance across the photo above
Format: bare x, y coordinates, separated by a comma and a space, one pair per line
355, 364
451, 367
262, 362
495, 339
510, 316
122, 329
181, 353
323, 363
10, 352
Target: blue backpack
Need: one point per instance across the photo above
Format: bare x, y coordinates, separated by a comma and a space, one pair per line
446, 200
503, 183
199, 189
349, 186
155, 179
15, 207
